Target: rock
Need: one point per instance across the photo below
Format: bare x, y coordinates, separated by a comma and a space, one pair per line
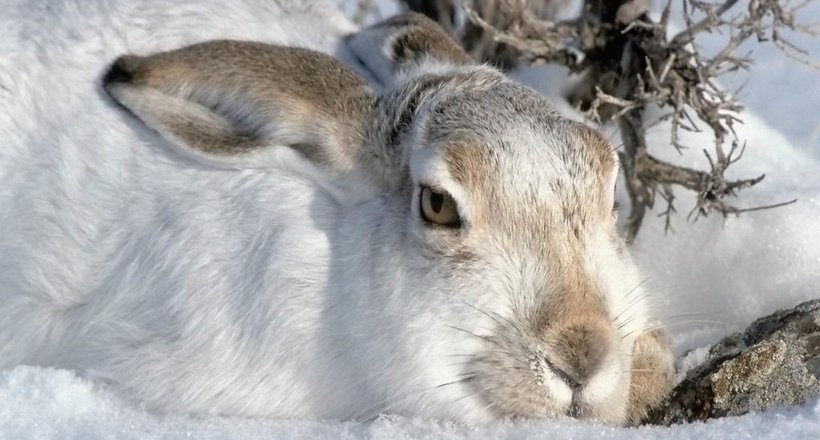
774, 362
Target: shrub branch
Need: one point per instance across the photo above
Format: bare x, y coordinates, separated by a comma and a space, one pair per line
630, 65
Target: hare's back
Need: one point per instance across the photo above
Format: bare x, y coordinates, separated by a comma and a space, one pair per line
101, 226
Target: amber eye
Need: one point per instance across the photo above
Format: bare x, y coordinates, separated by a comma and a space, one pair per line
439, 208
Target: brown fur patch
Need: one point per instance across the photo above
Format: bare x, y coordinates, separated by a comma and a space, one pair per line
417, 37
652, 374
471, 166
301, 88
602, 158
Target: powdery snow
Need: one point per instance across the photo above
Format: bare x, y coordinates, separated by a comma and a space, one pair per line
53, 404
709, 278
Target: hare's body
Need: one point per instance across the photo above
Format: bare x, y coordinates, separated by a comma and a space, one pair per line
108, 245
268, 256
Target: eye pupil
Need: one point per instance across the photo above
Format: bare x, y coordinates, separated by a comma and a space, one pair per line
436, 202
439, 208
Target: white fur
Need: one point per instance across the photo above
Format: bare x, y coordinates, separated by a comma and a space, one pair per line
204, 290
110, 247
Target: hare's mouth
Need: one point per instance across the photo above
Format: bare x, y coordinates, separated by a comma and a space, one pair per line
521, 378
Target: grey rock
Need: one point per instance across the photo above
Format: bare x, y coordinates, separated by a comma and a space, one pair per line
774, 362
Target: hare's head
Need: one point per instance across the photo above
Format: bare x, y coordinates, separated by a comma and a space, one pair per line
522, 298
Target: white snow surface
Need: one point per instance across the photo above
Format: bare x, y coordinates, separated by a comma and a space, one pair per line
55, 404
709, 278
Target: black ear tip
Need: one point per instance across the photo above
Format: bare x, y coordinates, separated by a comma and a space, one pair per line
117, 74
122, 71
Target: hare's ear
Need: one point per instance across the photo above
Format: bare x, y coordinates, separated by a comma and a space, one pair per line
404, 42
235, 104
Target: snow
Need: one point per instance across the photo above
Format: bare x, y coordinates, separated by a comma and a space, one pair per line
730, 271
776, 75
53, 404
709, 277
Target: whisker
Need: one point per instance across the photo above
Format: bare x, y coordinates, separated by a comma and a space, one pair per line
383, 405
466, 396
480, 311
691, 314
387, 404
495, 317
629, 319
674, 324
633, 301
468, 332
692, 321
460, 364
462, 380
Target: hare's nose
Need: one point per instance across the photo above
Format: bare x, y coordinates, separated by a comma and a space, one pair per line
579, 351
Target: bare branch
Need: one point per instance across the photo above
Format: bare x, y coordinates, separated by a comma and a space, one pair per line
630, 65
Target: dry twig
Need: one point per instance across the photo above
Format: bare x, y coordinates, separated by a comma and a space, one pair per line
630, 64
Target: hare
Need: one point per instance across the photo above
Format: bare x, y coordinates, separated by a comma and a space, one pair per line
284, 238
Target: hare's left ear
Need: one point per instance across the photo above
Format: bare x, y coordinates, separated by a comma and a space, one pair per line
405, 42
235, 104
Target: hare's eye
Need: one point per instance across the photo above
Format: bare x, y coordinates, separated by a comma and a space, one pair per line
439, 208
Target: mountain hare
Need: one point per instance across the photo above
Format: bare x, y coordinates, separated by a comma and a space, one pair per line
280, 237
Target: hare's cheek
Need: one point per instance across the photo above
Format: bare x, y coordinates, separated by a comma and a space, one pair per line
442, 246
516, 386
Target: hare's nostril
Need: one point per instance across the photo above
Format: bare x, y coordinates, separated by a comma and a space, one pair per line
571, 380
579, 352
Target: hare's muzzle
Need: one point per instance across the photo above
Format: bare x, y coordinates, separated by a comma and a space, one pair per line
578, 351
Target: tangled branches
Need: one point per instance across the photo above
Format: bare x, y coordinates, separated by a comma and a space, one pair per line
630, 64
